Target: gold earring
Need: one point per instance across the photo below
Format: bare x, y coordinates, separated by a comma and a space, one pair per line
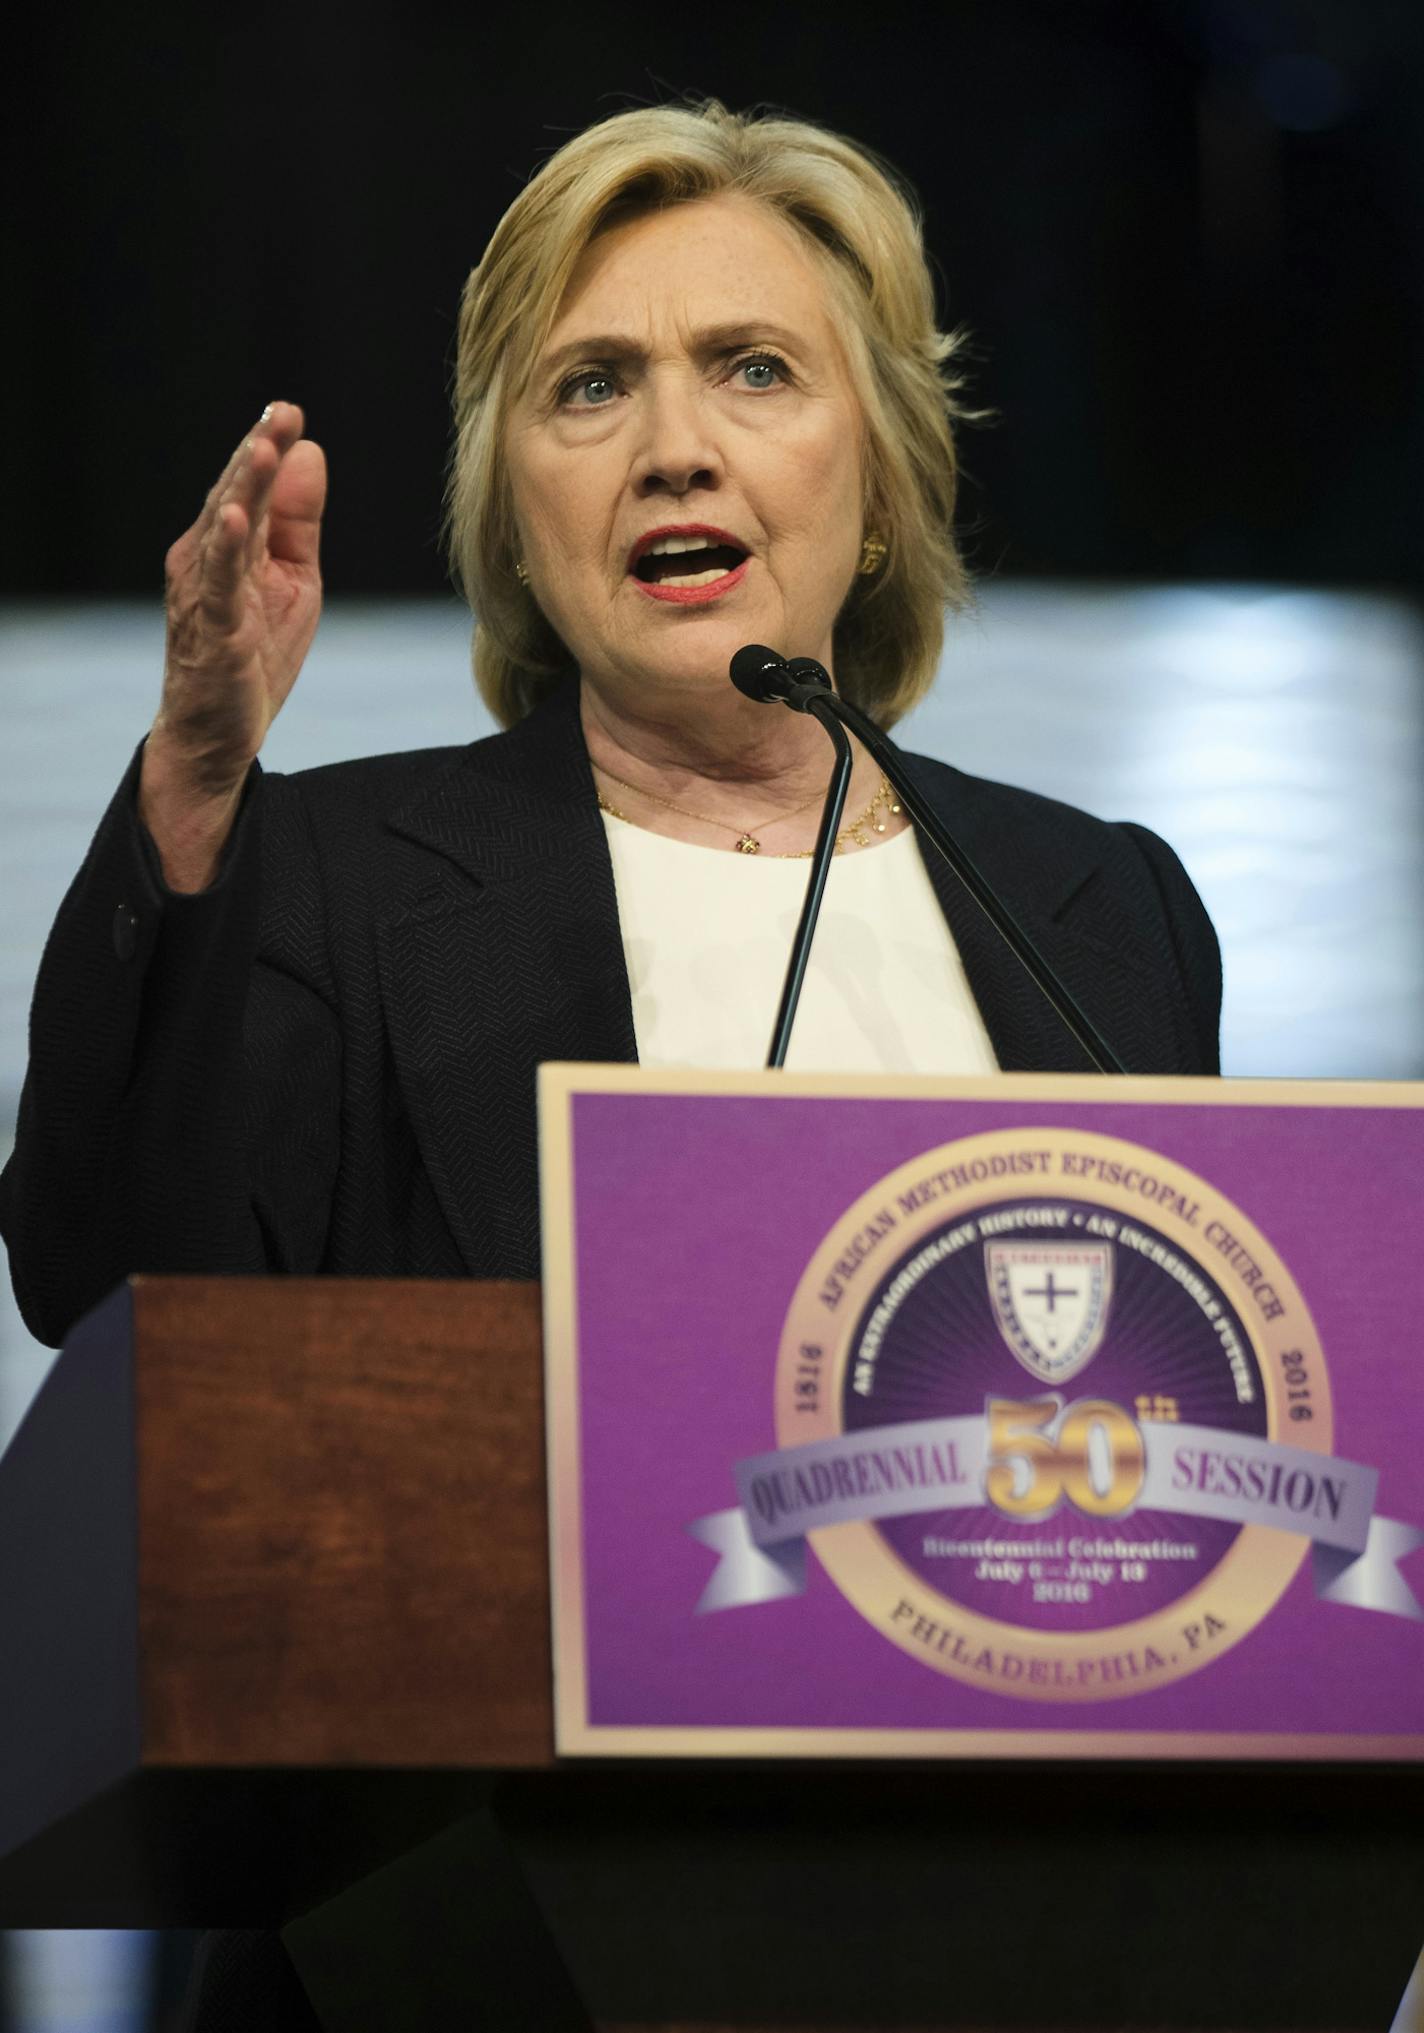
521, 571
872, 556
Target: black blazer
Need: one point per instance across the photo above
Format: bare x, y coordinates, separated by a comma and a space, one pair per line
326, 1061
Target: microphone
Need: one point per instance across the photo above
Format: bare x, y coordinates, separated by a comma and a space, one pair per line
803, 685
770, 679
763, 675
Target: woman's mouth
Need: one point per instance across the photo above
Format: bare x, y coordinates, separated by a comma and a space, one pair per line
689, 566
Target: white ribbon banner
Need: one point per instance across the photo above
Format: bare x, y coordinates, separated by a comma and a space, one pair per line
938, 1465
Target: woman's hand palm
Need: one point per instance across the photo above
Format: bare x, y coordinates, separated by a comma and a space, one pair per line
244, 598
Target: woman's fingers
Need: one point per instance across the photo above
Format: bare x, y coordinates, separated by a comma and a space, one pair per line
279, 425
221, 489
222, 567
251, 482
231, 538
254, 481
253, 492
295, 503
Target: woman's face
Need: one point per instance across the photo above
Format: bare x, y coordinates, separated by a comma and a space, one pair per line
691, 396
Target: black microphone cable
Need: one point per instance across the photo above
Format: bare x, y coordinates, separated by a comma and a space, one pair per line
764, 676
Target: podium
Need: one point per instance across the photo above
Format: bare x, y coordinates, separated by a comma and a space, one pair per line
276, 1615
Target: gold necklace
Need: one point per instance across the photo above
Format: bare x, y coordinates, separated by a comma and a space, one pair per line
747, 842
857, 831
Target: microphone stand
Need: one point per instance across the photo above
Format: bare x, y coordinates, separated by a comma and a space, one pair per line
816, 881
805, 693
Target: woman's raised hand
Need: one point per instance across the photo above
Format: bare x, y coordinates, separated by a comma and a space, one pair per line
244, 597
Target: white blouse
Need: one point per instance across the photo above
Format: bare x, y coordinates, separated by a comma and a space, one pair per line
707, 933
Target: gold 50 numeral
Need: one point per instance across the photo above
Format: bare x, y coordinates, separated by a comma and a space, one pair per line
1041, 1451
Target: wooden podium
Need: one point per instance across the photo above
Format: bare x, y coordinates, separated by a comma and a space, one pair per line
273, 1567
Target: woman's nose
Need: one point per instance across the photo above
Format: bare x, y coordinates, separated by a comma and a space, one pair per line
678, 451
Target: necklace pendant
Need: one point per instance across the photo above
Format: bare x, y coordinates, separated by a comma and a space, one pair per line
746, 845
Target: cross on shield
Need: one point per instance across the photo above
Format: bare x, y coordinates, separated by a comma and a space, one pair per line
1051, 1302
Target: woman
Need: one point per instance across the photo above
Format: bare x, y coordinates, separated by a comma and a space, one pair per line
293, 1024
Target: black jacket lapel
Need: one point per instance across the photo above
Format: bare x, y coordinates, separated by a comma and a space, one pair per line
1043, 875
503, 953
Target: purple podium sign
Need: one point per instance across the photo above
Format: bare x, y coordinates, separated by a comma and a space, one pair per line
1026, 1417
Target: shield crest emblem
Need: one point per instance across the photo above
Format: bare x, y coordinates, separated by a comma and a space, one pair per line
1051, 1302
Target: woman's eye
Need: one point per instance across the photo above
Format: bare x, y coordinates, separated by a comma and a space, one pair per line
762, 370
587, 391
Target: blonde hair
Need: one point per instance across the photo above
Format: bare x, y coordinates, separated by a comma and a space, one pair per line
861, 224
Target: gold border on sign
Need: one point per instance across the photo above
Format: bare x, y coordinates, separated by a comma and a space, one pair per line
558, 1238
1244, 1586
1117, 1746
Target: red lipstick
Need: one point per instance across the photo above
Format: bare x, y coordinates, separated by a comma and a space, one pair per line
689, 596
695, 596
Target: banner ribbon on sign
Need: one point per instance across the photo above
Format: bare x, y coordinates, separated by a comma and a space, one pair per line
938, 1465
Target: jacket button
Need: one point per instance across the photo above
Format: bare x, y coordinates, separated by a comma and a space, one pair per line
125, 932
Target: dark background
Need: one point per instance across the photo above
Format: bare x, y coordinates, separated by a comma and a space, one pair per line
1188, 240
